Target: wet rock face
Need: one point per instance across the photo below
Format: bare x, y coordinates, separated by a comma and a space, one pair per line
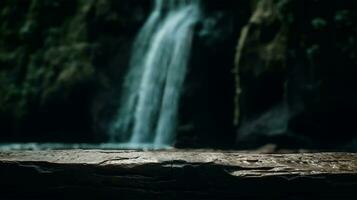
55, 57
261, 60
260, 74
206, 115
295, 69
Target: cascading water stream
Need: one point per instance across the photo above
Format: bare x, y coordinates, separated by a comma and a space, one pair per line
152, 87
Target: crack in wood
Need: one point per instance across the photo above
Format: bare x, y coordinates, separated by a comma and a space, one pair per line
117, 159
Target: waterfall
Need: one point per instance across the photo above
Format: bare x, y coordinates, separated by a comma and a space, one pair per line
151, 89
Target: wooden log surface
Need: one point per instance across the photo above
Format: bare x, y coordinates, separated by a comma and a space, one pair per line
115, 174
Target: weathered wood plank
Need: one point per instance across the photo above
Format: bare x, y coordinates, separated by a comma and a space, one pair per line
176, 175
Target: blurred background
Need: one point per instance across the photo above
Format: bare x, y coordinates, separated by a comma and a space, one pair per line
281, 72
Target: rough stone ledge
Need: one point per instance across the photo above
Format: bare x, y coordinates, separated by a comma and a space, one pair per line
174, 174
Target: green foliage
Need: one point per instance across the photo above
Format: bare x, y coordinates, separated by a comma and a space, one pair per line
312, 51
40, 55
284, 8
318, 23
342, 17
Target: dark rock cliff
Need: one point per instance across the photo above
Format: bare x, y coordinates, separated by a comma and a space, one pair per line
296, 74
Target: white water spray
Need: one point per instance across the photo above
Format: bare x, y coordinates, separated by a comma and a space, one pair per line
152, 87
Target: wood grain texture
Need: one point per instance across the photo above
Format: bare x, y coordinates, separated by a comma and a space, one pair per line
95, 174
